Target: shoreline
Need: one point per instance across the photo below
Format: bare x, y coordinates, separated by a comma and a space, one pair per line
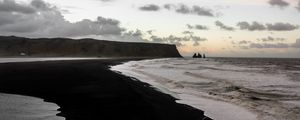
229, 89
87, 89
153, 73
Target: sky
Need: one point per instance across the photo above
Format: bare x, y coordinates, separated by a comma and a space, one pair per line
219, 28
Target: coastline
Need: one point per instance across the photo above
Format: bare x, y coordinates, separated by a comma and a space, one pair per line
226, 89
170, 79
87, 89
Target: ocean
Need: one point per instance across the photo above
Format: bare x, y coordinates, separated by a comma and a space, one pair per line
226, 88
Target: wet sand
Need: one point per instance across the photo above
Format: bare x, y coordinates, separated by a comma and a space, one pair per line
87, 90
19, 107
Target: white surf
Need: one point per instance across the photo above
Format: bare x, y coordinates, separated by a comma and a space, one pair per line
224, 91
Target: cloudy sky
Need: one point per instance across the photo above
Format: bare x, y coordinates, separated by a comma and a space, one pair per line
224, 28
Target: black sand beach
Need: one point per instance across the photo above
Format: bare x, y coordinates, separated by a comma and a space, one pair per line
88, 90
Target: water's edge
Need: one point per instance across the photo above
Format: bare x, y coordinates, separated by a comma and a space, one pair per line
20, 107
223, 91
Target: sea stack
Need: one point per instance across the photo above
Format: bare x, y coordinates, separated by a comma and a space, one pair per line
195, 55
198, 55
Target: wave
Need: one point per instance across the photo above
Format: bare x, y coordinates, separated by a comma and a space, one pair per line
264, 91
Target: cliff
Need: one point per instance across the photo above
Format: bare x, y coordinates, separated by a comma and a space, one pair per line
11, 46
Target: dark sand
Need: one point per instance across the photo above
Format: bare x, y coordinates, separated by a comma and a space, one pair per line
88, 90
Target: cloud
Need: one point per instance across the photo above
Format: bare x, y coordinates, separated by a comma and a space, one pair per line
41, 5
251, 27
279, 3
12, 6
244, 42
248, 44
224, 27
137, 33
181, 9
271, 39
241, 44
156, 39
269, 45
189, 26
196, 10
34, 6
281, 27
298, 7
256, 26
134, 36
187, 32
8, 18
191, 37
244, 47
171, 39
150, 7
201, 27
197, 27
169, 6
150, 32
296, 44
201, 11
45, 20
197, 39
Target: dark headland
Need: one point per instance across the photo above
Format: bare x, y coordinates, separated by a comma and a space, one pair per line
87, 89
65, 47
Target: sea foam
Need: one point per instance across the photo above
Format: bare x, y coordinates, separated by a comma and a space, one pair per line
223, 90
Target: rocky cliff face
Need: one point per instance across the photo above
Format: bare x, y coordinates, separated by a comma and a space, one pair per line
11, 46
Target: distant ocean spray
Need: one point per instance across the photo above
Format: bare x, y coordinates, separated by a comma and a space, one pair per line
226, 88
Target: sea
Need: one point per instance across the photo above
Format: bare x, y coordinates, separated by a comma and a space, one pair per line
226, 88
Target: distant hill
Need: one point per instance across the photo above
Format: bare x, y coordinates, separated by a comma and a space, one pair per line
11, 46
